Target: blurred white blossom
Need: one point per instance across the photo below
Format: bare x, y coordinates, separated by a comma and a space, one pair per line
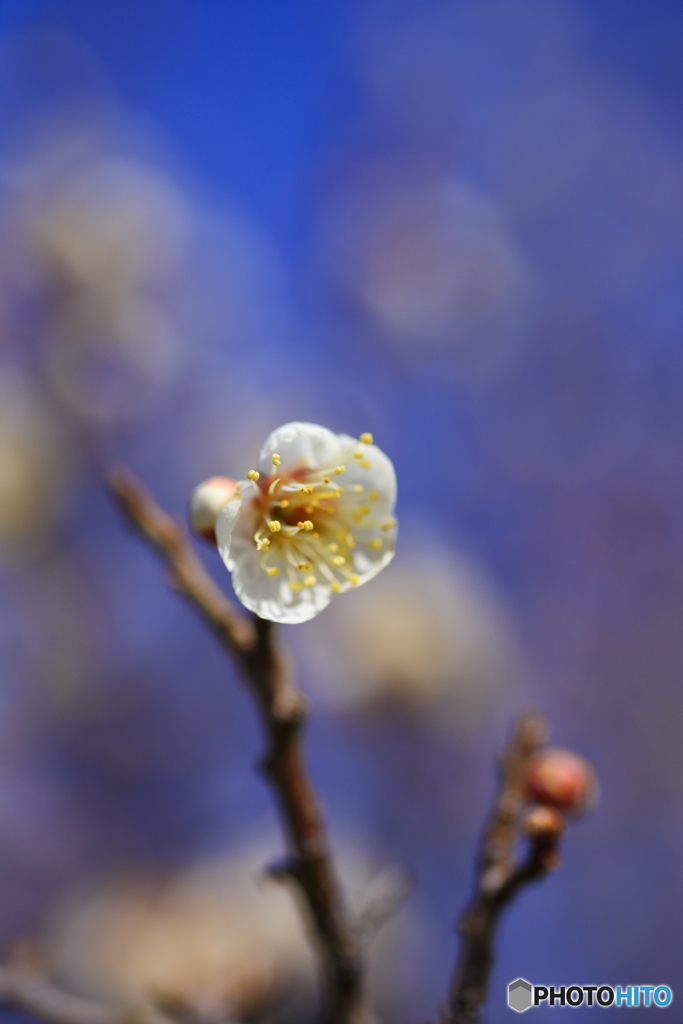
215, 940
218, 939
105, 238
35, 467
431, 637
428, 258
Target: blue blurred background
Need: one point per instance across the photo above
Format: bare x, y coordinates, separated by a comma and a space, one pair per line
458, 225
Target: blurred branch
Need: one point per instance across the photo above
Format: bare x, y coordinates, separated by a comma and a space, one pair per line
188, 575
499, 877
25, 990
283, 713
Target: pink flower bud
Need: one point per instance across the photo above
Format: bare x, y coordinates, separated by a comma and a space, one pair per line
560, 778
544, 824
206, 501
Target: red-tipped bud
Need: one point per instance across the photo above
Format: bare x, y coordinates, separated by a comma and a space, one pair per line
560, 778
544, 824
206, 501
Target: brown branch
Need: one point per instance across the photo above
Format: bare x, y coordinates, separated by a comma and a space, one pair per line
499, 878
283, 713
30, 992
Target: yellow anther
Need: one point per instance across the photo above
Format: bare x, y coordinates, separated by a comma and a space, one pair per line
358, 488
367, 438
333, 547
304, 566
338, 560
326, 480
309, 509
361, 513
353, 579
262, 543
275, 525
307, 489
273, 571
373, 496
307, 524
295, 586
336, 587
365, 464
375, 544
276, 459
338, 470
358, 455
253, 474
310, 581
389, 524
284, 503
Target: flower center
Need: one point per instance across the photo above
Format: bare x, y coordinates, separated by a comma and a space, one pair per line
308, 518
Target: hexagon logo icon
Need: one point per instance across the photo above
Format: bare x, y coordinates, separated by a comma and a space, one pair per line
520, 995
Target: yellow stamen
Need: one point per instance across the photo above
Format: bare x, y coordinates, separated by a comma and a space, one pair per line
336, 587
365, 464
310, 581
273, 571
350, 542
275, 525
375, 544
389, 524
314, 536
326, 480
309, 509
253, 474
284, 503
338, 560
307, 489
358, 455
361, 513
304, 566
276, 459
296, 587
262, 543
357, 488
305, 525
373, 496
353, 579
366, 438
338, 470
333, 547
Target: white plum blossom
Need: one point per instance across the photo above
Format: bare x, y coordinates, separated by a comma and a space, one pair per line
315, 520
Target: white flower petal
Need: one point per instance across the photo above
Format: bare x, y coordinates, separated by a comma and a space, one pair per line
231, 522
369, 559
271, 597
374, 471
300, 444
225, 522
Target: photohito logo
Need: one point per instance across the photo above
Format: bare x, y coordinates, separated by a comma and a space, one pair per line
522, 995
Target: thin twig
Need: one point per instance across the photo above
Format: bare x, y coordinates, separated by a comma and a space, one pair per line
283, 713
499, 878
33, 994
